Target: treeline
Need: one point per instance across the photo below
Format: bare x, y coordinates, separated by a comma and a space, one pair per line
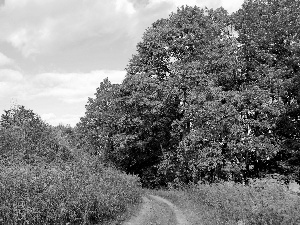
208, 96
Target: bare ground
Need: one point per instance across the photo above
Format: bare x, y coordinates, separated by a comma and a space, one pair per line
158, 211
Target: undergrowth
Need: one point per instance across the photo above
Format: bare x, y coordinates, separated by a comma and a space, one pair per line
264, 201
45, 180
78, 192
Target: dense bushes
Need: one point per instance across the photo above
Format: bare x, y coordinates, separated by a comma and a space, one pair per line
78, 192
24, 136
45, 180
263, 201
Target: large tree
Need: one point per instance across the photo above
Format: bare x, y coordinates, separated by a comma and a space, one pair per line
269, 37
184, 55
206, 97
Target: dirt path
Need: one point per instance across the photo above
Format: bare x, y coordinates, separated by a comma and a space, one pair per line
158, 211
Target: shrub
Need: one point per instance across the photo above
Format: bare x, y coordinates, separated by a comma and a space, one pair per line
77, 193
44, 181
264, 201
25, 137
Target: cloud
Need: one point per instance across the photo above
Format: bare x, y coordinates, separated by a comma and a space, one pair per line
44, 26
9, 75
85, 40
232, 5
229, 5
4, 60
174, 4
37, 27
71, 119
71, 87
65, 94
10, 83
125, 6
48, 116
139, 3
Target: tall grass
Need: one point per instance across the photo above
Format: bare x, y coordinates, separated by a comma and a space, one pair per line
43, 180
79, 192
264, 201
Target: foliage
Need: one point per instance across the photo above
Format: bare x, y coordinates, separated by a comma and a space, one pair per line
133, 129
263, 201
148, 109
97, 126
269, 39
172, 63
79, 192
24, 136
67, 135
208, 96
45, 180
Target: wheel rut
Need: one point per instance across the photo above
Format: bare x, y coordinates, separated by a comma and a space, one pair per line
158, 211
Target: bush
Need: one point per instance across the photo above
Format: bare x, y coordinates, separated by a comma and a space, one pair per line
76, 193
264, 201
44, 181
25, 137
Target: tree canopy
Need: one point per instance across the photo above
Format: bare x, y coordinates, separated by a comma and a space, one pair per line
208, 96
24, 136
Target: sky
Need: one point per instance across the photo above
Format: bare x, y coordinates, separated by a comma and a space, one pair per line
55, 53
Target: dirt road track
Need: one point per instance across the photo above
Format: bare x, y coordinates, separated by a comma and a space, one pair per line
158, 211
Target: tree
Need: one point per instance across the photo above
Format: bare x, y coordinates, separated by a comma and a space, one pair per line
148, 109
269, 37
178, 56
205, 97
24, 136
243, 138
98, 125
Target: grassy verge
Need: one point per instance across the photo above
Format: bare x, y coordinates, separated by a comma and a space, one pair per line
131, 211
263, 202
77, 192
193, 211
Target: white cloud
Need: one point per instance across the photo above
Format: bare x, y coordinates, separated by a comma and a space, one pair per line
52, 25
125, 6
72, 87
9, 75
28, 40
48, 116
173, 4
4, 60
10, 83
229, 5
51, 118
232, 5
47, 26
54, 90
42, 30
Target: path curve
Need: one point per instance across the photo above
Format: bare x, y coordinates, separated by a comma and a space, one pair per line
159, 211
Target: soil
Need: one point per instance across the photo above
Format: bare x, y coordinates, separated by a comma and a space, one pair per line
156, 210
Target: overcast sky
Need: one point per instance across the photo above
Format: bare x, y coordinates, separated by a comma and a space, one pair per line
54, 53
